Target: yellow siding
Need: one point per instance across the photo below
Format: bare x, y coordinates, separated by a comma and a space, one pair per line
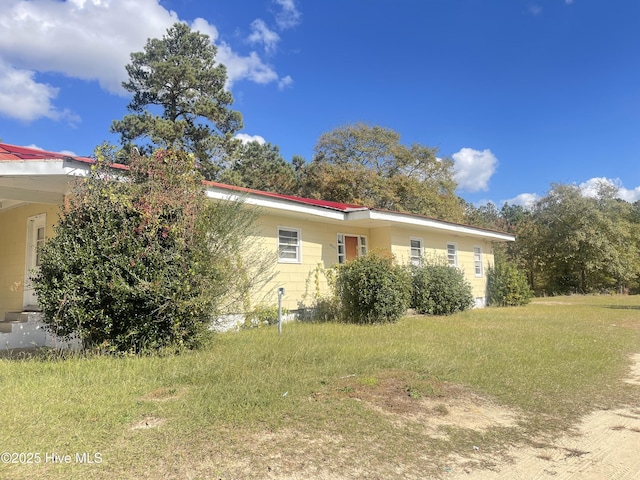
13, 244
435, 244
380, 239
303, 281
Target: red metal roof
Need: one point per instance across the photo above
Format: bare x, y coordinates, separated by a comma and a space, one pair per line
17, 153
343, 207
14, 152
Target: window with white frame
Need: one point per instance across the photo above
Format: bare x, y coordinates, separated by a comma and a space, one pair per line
417, 251
351, 246
289, 245
477, 261
452, 254
362, 246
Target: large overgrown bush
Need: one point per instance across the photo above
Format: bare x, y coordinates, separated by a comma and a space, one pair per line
141, 260
372, 288
439, 289
507, 286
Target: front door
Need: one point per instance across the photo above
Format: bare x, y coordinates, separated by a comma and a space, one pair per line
351, 247
36, 228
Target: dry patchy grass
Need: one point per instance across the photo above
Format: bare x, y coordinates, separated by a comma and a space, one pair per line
328, 401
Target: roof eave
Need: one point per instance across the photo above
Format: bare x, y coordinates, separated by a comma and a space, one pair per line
272, 203
384, 217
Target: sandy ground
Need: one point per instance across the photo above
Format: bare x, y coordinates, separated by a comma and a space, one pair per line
605, 446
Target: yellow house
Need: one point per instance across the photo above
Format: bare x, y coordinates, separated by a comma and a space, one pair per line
307, 237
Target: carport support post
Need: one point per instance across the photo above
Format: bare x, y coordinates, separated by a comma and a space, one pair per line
280, 295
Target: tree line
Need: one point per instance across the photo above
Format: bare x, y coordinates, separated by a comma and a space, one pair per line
567, 242
570, 242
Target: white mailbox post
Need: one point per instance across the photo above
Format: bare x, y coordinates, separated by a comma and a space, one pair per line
280, 295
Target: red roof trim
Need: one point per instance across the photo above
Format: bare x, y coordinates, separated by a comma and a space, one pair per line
17, 153
14, 152
343, 207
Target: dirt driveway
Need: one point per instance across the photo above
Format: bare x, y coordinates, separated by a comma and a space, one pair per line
606, 445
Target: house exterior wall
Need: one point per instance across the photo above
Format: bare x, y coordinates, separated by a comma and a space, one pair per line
302, 281
306, 280
380, 238
435, 245
13, 245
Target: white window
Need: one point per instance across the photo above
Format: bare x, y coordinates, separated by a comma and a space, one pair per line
362, 246
452, 254
351, 246
289, 245
417, 251
477, 261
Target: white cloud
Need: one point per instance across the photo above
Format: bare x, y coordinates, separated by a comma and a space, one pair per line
289, 16
568, 2
92, 40
285, 82
250, 67
534, 9
202, 26
473, 169
71, 153
87, 39
590, 188
526, 200
261, 34
245, 138
23, 98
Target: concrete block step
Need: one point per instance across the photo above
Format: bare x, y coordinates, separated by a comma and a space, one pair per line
23, 335
16, 317
6, 327
30, 317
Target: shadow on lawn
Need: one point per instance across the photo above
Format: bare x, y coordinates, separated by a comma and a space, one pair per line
621, 307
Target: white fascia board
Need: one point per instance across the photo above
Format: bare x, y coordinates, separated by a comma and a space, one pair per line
285, 206
42, 167
423, 222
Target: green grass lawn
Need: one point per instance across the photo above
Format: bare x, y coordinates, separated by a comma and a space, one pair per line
322, 400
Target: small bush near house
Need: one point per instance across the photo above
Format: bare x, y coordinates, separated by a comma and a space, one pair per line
323, 309
439, 289
372, 289
262, 316
507, 286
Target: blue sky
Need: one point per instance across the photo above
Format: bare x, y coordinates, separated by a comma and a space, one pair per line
519, 93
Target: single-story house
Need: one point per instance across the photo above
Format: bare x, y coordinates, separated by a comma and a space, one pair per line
306, 236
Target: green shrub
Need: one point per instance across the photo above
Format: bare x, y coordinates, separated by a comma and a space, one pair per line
439, 289
372, 289
323, 309
263, 315
141, 261
507, 286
